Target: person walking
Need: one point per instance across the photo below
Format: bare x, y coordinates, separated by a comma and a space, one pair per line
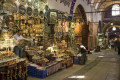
118, 46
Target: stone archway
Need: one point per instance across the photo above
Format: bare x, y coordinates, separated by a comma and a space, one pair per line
106, 33
84, 28
108, 25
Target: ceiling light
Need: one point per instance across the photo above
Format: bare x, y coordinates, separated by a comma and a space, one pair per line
114, 28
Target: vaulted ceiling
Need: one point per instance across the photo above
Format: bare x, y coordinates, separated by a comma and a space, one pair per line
103, 4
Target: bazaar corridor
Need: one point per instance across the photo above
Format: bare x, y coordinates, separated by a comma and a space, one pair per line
59, 39
104, 65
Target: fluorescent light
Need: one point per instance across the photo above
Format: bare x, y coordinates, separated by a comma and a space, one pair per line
78, 77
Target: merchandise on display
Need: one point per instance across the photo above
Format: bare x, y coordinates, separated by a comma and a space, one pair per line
49, 44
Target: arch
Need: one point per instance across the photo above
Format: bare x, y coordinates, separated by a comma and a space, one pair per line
108, 25
104, 4
81, 12
82, 28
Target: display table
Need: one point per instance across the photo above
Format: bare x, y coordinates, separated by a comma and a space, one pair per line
68, 62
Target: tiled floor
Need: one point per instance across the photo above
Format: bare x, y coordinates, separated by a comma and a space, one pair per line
103, 65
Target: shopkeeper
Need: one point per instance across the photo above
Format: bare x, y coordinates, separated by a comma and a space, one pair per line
17, 38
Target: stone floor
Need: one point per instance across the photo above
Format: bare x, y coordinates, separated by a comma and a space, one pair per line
103, 65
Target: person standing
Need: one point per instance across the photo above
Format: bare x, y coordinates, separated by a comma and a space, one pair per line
115, 45
17, 38
118, 46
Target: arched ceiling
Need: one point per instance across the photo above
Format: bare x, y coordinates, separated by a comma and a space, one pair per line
103, 4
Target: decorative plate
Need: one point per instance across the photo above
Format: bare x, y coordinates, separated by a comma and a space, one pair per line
36, 3
22, 10
35, 12
29, 11
30, 2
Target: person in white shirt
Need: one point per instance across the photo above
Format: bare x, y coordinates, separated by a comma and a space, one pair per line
17, 38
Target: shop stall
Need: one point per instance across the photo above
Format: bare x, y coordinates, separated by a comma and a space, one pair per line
50, 42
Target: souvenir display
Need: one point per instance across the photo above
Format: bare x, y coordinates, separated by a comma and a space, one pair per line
48, 43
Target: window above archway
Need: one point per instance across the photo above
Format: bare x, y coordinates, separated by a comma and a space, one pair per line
116, 10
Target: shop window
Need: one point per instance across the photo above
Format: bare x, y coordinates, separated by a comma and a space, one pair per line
116, 10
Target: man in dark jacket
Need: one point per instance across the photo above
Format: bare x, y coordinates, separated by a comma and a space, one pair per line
118, 46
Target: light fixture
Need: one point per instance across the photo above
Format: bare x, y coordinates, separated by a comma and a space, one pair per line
111, 24
114, 28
